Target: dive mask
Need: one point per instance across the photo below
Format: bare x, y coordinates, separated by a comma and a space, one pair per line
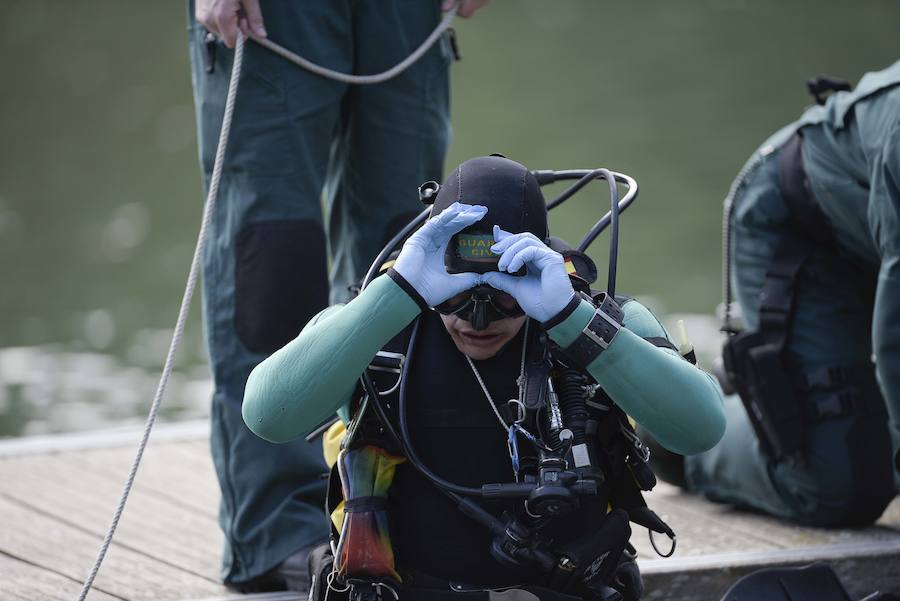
480, 306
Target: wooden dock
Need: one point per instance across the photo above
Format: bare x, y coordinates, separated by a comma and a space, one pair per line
57, 495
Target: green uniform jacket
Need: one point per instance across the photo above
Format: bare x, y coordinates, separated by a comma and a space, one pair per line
852, 161
313, 376
851, 155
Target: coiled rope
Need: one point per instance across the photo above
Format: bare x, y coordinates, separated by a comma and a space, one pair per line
202, 237
362, 79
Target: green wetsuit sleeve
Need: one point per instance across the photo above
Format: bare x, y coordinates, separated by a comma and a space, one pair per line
678, 403
311, 377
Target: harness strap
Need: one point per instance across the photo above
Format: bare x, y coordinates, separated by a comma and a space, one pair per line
781, 397
830, 391
365, 504
836, 391
807, 218
831, 376
758, 359
809, 227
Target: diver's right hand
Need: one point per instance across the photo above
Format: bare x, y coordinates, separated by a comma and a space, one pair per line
421, 261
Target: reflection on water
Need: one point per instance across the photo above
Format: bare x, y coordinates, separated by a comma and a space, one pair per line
46, 390
100, 194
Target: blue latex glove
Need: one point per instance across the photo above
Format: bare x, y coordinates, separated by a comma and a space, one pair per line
421, 261
545, 290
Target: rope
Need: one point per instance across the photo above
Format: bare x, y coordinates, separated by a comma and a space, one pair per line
209, 205
182, 312
362, 79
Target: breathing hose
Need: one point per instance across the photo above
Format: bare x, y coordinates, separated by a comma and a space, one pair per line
404, 429
570, 388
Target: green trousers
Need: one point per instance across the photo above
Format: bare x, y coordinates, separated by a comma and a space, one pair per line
274, 257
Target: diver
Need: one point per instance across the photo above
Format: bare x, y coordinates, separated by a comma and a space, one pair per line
498, 410
813, 256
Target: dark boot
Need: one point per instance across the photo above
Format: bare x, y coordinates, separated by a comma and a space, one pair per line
290, 575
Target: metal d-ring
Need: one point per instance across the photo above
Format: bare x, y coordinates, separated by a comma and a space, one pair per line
520, 410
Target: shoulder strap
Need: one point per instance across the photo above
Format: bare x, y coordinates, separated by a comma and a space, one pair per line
806, 217
757, 361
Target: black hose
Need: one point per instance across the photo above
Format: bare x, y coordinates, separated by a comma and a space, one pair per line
587, 178
406, 441
570, 388
393, 244
613, 215
548, 433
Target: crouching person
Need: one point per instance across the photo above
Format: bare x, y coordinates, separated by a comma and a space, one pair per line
489, 448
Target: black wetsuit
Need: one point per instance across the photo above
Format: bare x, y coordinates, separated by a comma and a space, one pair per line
456, 434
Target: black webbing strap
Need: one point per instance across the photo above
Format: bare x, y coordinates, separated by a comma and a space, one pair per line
365, 504
777, 296
660, 342
832, 376
807, 218
839, 390
690, 356
808, 228
758, 359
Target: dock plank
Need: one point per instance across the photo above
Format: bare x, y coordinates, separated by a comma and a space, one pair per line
182, 473
24, 582
126, 573
57, 486
704, 528
695, 537
168, 545
753, 526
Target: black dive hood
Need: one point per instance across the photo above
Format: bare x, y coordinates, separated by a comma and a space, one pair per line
513, 197
514, 201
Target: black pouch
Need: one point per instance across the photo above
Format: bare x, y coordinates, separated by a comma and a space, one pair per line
593, 559
756, 368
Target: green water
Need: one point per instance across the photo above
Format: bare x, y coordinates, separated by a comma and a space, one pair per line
100, 193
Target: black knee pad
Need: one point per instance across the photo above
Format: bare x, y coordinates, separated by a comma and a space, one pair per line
280, 281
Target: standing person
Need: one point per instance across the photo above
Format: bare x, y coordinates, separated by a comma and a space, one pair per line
265, 271
463, 391
814, 221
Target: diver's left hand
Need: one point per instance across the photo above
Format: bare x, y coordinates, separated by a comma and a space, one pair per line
545, 290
